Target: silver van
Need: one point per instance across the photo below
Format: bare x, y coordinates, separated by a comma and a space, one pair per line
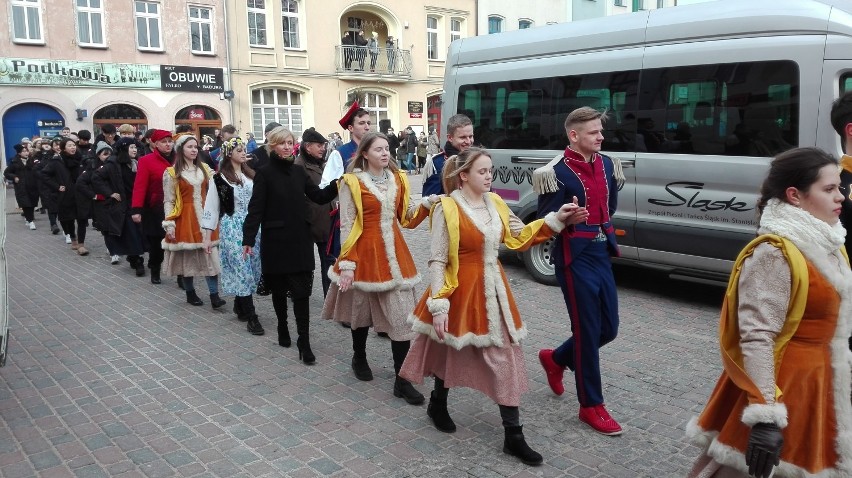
700, 98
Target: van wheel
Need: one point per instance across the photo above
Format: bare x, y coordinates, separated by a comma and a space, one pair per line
537, 261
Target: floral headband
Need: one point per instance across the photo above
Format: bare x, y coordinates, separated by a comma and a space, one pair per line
229, 146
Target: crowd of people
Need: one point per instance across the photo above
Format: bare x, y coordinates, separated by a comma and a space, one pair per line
250, 222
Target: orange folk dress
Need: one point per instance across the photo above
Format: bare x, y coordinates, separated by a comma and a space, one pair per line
371, 217
183, 202
481, 349
805, 311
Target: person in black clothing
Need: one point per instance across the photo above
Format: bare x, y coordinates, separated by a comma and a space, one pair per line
21, 171
113, 185
60, 176
348, 44
260, 156
278, 204
108, 134
84, 145
48, 204
361, 49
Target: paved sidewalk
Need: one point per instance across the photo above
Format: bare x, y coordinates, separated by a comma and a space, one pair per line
109, 375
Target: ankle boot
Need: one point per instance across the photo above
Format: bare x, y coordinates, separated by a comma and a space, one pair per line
254, 326
155, 276
216, 301
238, 308
193, 298
361, 367
515, 445
180, 282
437, 411
403, 389
140, 267
306, 355
283, 332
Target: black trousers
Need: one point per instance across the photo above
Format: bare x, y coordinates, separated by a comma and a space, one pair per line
155, 252
79, 233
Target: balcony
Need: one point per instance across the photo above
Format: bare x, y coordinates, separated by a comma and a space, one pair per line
389, 64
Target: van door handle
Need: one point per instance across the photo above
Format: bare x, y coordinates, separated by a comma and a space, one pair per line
628, 163
530, 160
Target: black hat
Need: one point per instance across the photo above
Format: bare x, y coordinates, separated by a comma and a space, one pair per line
311, 135
271, 126
123, 143
18, 148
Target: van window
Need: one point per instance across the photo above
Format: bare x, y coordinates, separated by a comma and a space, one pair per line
846, 83
530, 114
741, 109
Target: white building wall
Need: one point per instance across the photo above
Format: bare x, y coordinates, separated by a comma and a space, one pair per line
540, 12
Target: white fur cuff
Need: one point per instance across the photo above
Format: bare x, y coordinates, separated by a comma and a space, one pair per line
168, 224
346, 265
765, 413
425, 202
438, 306
555, 224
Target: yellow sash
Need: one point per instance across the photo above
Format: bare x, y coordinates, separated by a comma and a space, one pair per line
354, 185
178, 207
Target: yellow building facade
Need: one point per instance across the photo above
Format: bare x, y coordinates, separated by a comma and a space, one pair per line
299, 62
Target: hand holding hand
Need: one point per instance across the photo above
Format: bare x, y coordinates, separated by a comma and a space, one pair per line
62, 189
207, 245
439, 322
16, 179
137, 218
764, 449
345, 281
434, 198
572, 213
247, 251
116, 196
170, 232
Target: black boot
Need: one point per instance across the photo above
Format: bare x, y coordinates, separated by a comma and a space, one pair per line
437, 411
139, 266
254, 326
216, 301
515, 445
402, 388
279, 303
238, 307
301, 309
180, 282
193, 298
155, 276
359, 358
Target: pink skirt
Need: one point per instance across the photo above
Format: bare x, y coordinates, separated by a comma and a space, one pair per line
384, 311
498, 372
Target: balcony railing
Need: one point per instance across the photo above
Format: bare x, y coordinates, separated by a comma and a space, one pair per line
359, 60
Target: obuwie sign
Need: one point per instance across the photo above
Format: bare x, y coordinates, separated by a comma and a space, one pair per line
186, 78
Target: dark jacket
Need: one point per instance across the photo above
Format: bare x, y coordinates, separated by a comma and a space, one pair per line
279, 205
43, 157
111, 178
62, 170
26, 188
319, 214
83, 190
393, 144
845, 206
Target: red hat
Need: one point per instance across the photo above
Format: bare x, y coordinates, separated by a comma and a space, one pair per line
349, 116
159, 134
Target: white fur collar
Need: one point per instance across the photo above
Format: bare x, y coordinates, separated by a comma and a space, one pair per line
800, 226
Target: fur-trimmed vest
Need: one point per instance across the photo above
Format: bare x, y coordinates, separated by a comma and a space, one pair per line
184, 205
375, 248
475, 291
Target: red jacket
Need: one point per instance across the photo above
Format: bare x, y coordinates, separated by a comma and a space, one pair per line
148, 187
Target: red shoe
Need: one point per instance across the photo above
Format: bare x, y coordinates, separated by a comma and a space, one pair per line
553, 370
598, 418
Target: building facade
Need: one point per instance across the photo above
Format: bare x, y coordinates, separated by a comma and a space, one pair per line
85, 63
300, 62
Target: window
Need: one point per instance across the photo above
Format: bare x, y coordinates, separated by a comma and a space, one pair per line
377, 105
495, 24
432, 38
661, 3
290, 19
736, 109
148, 25
619, 3
524, 24
845, 83
26, 21
90, 18
455, 29
257, 23
201, 30
279, 105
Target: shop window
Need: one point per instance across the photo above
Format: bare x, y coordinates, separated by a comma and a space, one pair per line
201, 30
290, 21
257, 22
278, 105
148, 26
119, 114
90, 23
26, 21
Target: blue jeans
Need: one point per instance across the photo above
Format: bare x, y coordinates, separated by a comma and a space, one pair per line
212, 284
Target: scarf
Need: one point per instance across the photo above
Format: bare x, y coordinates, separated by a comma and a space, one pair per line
450, 150
800, 227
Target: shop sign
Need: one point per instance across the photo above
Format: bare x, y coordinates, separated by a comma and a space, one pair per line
51, 123
186, 78
40, 72
415, 115
196, 114
415, 107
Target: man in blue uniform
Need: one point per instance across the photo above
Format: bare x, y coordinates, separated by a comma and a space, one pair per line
582, 258
459, 138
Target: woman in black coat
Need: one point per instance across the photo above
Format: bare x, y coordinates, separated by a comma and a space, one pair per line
113, 185
21, 171
279, 205
48, 201
60, 176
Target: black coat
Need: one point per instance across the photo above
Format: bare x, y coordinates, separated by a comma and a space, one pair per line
62, 170
111, 178
26, 188
83, 190
279, 205
43, 157
259, 158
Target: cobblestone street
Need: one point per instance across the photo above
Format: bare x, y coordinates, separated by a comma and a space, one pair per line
109, 375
